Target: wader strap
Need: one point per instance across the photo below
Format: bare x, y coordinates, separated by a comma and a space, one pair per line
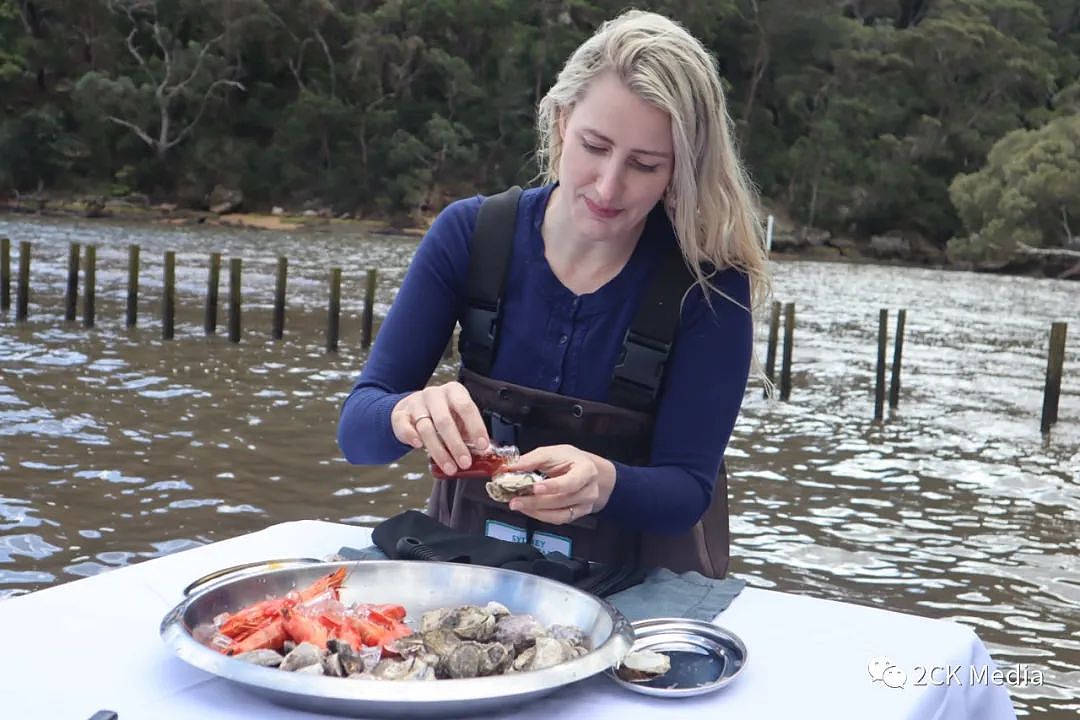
639, 369
489, 262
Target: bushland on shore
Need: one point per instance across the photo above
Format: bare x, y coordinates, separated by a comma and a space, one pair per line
937, 132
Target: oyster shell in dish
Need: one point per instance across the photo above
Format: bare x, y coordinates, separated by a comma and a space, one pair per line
643, 665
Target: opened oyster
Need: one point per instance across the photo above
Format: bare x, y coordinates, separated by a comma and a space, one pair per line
508, 485
643, 665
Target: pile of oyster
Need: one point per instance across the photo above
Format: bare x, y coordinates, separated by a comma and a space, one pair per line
461, 642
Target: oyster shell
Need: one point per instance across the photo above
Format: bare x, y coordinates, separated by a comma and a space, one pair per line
410, 669
508, 485
264, 657
518, 631
498, 658
497, 609
464, 661
570, 633
343, 661
468, 622
643, 665
440, 642
303, 655
409, 646
333, 666
546, 652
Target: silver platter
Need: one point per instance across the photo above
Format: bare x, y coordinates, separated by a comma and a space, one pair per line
704, 656
419, 586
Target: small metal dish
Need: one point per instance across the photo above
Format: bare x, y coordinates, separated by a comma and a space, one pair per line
704, 656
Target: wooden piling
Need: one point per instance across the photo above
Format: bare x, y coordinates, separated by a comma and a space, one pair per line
333, 321
168, 301
71, 293
5, 274
879, 383
785, 365
213, 280
770, 352
22, 301
369, 310
279, 298
898, 350
90, 278
133, 286
234, 300
1054, 364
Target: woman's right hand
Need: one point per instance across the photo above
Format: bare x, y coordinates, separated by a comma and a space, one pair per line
444, 420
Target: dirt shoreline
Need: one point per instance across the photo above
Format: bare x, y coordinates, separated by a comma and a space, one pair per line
844, 250
171, 214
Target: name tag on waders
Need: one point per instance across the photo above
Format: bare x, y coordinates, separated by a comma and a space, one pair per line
548, 543
542, 541
505, 531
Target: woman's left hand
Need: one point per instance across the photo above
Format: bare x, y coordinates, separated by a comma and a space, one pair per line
578, 483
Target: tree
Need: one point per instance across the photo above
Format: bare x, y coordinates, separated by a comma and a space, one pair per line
881, 119
34, 149
853, 115
12, 47
173, 83
1028, 192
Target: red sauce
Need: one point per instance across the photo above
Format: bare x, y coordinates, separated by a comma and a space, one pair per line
485, 463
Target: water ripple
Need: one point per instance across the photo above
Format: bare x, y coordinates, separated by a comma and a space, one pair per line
116, 445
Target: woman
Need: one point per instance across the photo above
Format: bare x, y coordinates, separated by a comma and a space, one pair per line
613, 345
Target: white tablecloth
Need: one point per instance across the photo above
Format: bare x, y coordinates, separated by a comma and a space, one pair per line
93, 644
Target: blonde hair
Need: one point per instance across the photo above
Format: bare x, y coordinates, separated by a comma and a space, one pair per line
711, 202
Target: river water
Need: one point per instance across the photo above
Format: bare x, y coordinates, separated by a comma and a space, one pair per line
116, 446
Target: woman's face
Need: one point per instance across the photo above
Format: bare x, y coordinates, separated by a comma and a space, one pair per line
616, 160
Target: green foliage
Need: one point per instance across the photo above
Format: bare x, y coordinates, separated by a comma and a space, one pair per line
877, 137
1028, 192
13, 45
35, 150
854, 117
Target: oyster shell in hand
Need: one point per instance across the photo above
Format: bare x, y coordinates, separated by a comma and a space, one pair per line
508, 485
643, 665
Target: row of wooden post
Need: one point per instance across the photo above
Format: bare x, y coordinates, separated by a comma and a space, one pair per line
1051, 392
788, 312
168, 306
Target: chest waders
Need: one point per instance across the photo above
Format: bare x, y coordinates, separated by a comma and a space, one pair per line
620, 430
